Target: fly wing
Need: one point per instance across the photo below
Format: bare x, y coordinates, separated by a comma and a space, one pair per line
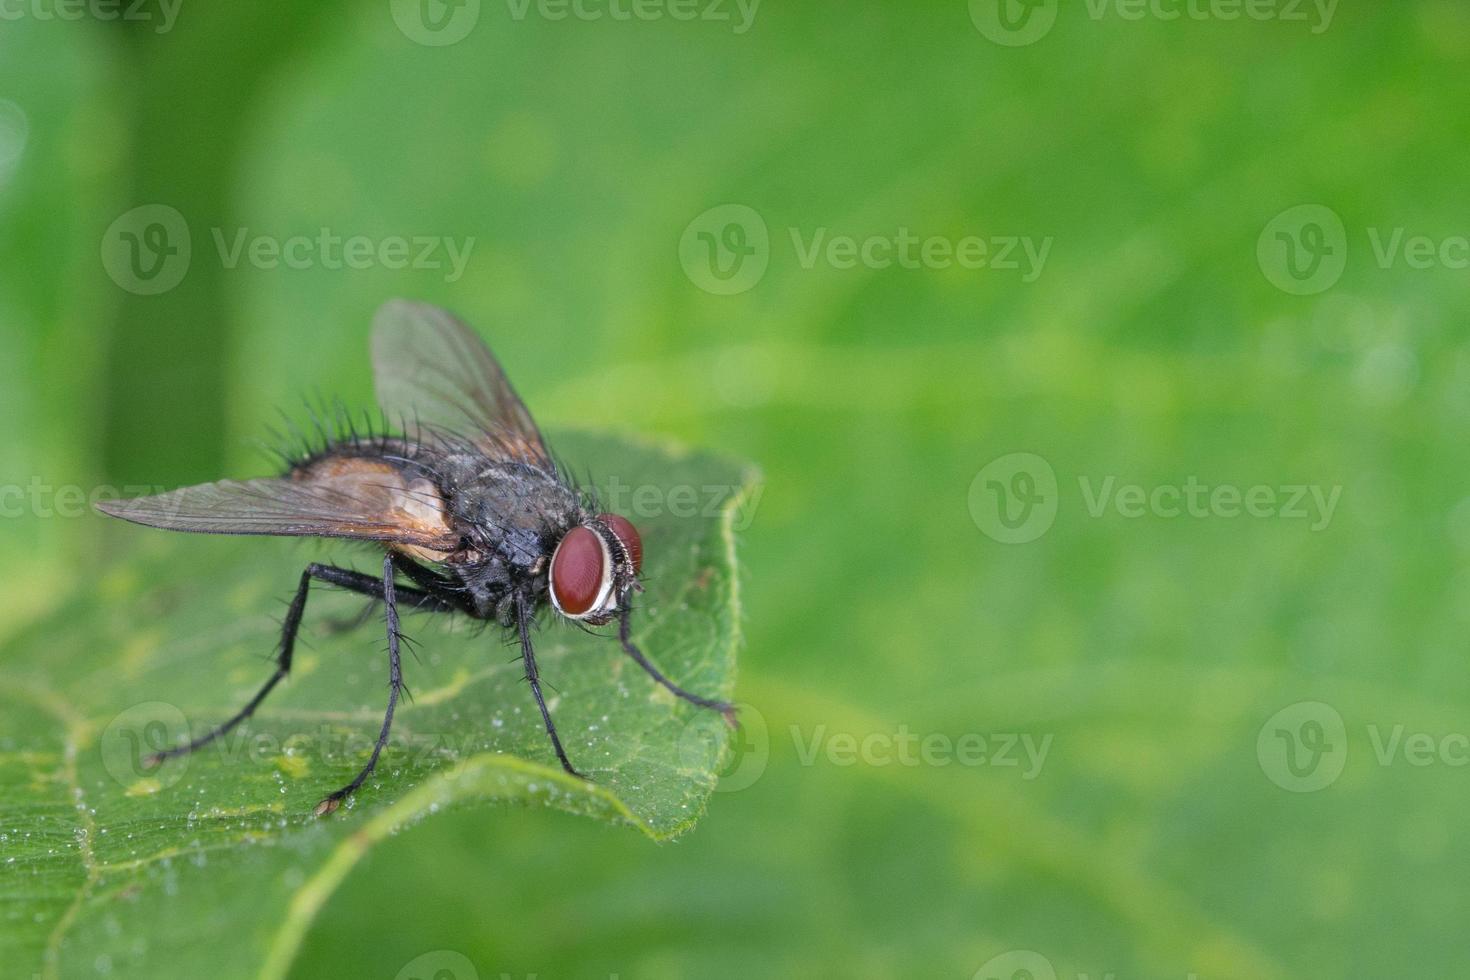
370, 506
436, 378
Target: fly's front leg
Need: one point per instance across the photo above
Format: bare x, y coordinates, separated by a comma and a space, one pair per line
523, 625
625, 636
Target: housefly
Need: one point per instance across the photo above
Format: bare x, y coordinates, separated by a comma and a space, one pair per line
465, 499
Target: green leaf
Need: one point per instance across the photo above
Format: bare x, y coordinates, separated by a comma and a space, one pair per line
108, 864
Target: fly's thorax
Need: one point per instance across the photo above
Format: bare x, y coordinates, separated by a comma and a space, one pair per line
513, 513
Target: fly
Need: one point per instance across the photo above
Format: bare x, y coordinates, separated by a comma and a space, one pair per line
467, 503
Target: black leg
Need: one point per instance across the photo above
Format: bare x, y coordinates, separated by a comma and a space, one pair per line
523, 622
345, 578
350, 624
624, 635
395, 684
371, 585
444, 589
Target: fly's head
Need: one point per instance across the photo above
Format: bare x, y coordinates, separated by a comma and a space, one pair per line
594, 569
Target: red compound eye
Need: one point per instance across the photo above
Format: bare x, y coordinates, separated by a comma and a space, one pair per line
628, 535
576, 571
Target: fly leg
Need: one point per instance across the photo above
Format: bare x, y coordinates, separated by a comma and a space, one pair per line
345, 578
348, 624
436, 585
523, 623
625, 637
395, 685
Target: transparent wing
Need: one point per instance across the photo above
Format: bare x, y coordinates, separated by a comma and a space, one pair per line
435, 376
372, 505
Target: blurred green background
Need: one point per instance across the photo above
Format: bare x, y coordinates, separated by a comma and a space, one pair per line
1192, 815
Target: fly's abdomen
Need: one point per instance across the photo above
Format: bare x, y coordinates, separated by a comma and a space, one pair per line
410, 497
